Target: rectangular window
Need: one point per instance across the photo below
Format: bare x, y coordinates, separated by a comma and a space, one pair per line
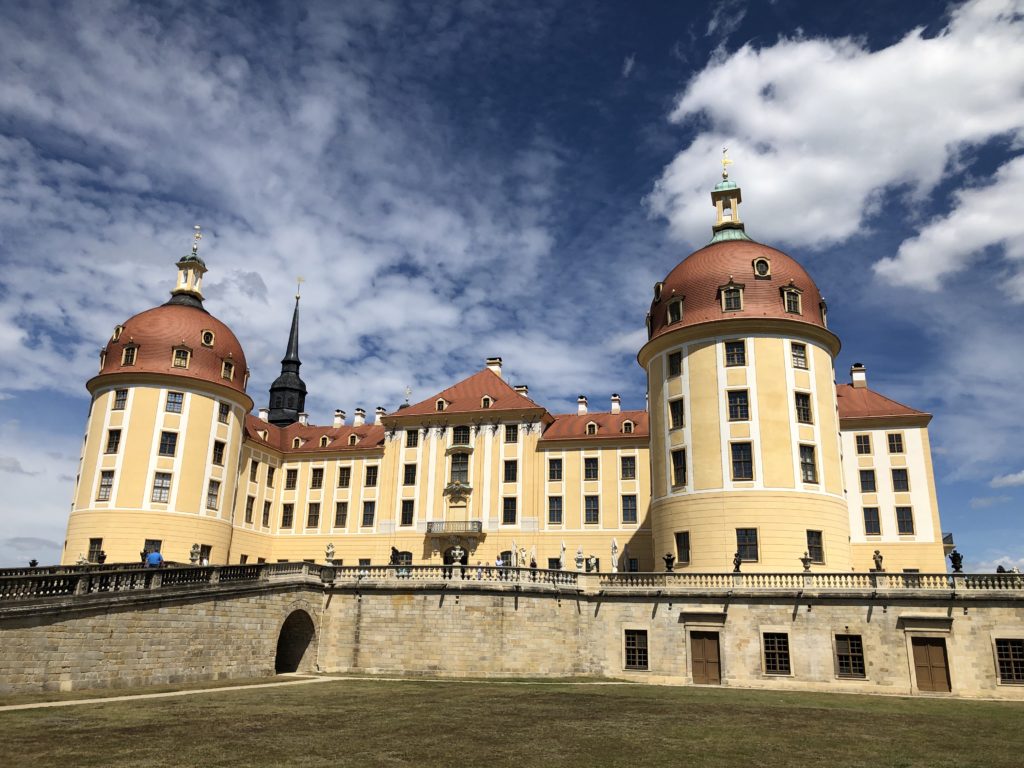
735, 353
460, 468
872, 525
636, 649
554, 564
120, 399
344, 477
511, 433
128, 356
313, 515
412, 438
175, 400
152, 545
254, 467
316, 478
511, 470
895, 443
407, 511
168, 443
591, 510
739, 405
409, 476
629, 508
222, 415
808, 465
679, 467
270, 476
742, 461
243, 559
371, 477
683, 547
287, 515
799, 355
863, 444
676, 417
250, 502
746, 544
508, 511
95, 547
675, 312
460, 435
369, 510
113, 440
340, 514
162, 487
900, 481
815, 546
181, 358
793, 302
849, 656
732, 299
554, 510
266, 514
291, 479
675, 363
590, 469
867, 481
803, 408
554, 469
1010, 657
218, 452
905, 521
212, 494
628, 467
776, 653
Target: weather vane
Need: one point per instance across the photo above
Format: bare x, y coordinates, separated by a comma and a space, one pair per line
195, 239
726, 162
408, 394
298, 285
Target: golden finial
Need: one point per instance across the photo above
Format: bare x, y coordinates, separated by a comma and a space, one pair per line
298, 285
196, 238
726, 162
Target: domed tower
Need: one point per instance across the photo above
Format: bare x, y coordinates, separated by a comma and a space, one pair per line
160, 457
745, 451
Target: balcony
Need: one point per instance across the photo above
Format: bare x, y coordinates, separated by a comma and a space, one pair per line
444, 527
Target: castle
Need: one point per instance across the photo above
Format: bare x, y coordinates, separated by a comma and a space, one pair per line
749, 455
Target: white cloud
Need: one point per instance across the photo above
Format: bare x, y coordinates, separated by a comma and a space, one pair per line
628, 64
984, 502
726, 18
1008, 481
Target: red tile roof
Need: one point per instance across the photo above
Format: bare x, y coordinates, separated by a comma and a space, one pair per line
571, 426
371, 436
466, 395
863, 403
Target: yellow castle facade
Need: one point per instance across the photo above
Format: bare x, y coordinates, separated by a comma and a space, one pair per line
749, 455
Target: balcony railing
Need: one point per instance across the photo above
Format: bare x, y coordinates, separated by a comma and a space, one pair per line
455, 526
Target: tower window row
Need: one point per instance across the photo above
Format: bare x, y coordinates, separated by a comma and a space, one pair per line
742, 463
736, 356
748, 547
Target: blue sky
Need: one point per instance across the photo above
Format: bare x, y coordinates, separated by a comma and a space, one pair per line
485, 178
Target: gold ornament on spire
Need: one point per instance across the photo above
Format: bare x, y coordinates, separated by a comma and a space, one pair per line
726, 162
196, 238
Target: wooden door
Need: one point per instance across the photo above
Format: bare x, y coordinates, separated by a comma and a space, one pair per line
704, 652
930, 666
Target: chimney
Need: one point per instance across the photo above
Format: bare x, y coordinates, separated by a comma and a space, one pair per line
581, 405
264, 414
616, 404
522, 389
304, 419
339, 418
494, 365
859, 376
360, 418
380, 412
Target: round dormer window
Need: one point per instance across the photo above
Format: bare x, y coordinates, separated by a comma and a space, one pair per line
762, 268
207, 338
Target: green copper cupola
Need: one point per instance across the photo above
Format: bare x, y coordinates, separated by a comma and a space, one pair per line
726, 198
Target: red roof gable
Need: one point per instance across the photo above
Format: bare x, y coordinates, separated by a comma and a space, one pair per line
466, 396
862, 403
571, 426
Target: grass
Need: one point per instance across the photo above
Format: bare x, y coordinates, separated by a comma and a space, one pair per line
420, 723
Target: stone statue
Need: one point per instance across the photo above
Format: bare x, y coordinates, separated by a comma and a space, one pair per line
670, 561
523, 560
579, 558
33, 563
615, 556
877, 557
514, 559
329, 552
806, 561
591, 564
395, 556
457, 553
193, 555
561, 557
736, 562
82, 559
957, 560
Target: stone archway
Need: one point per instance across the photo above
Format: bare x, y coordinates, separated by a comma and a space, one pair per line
296, 644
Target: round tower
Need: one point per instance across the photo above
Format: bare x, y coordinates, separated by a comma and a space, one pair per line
745, 452
160, 456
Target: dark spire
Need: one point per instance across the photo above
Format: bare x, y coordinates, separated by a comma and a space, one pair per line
288, 392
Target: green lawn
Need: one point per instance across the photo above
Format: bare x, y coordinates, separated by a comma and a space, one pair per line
488, 725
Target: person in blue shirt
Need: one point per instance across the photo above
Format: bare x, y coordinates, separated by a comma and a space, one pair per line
154, 559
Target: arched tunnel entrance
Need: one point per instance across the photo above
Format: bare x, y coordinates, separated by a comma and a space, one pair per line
296, 644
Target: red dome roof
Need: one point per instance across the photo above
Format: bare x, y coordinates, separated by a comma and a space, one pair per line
157, 332
698, 279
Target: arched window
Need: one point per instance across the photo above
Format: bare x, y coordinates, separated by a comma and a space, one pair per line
441, 404
485, 402
627, 427
324, 441
296, 443
591, 428
352, 439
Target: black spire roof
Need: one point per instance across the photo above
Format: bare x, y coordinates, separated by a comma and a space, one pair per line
288, 392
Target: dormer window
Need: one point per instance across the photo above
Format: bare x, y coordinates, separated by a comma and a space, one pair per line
227, 370
591, 428
117, 333
732, 297
297, 443
762, 269
791, 299
103, 359
485, 402
181, 357
207, 338
441, 404
658, 287
627, 427
352, 439
128, 355
675, 311
824, 314
324, 441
